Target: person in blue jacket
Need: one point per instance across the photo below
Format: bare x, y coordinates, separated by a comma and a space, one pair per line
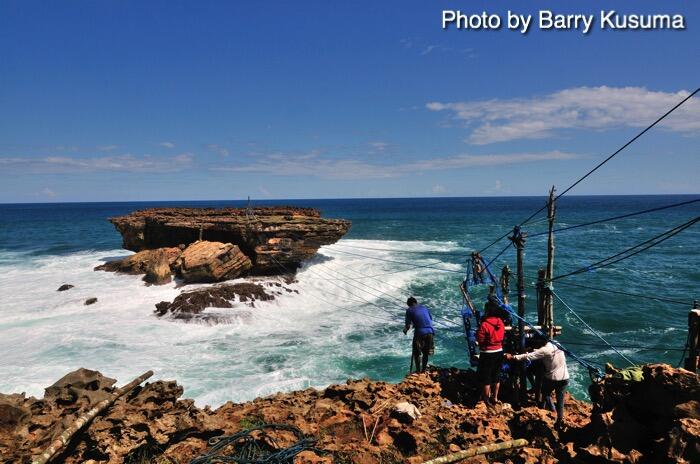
418, 317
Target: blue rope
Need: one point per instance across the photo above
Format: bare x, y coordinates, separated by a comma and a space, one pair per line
591, 368
631, 363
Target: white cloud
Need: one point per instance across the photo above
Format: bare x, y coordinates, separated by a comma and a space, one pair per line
437, 188
218, 149
127, 163
596, 108
107, 147
167, 144
497, 189
47, 192
313, 164
379, 146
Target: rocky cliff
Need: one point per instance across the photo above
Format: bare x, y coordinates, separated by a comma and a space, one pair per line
652, 421
233, 241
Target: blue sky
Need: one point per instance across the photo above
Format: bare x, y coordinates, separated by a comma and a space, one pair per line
127, 100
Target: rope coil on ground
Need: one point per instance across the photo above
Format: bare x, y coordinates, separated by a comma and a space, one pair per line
245, 448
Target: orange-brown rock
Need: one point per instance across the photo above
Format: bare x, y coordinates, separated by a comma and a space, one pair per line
211, 262
353, 422
653, 420
276, 239
157, 264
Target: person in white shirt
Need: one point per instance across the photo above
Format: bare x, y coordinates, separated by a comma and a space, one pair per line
556, 374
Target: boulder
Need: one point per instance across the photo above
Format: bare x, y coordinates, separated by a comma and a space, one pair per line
143, 261
205, 261
158, 269
64, 287
276, 239
624, 419
90, 301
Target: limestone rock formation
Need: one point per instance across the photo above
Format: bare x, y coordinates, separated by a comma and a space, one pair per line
657, 418
211, 262
275, 239
158, 271
357, 422
142, 262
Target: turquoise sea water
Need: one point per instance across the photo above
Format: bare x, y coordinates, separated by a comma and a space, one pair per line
346, 320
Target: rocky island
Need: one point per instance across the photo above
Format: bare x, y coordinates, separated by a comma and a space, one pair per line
212, 245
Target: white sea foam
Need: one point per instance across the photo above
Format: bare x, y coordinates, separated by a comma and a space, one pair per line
338, 321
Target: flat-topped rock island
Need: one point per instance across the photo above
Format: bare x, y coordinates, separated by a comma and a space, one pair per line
211, 245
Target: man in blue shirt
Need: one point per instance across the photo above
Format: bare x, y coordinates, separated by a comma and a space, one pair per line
419, 317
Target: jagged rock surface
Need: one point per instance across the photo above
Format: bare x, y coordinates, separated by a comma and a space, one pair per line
188, 305
276, 239
211, 262
655, 420
153, 425
149, 262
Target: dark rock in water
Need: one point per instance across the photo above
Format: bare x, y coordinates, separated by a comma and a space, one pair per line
189, 304
90, 301
65, 287
211, 262
275, 239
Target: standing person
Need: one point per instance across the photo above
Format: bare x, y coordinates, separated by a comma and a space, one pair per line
489, 336
556, 374
423, 344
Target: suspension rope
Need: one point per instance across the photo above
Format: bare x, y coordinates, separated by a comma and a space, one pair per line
412, 252
595, 332
587, 364
632, 251
619, 292
423, 266
599, 165
389, 300
499, 254
345, 290
631, 347
630, 142
600, 221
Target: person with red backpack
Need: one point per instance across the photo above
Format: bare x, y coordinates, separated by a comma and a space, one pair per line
489, 336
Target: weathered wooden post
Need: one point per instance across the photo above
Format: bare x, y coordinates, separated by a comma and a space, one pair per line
692, 362
504, 282
540, 297
65, 438
548, 322
518, 240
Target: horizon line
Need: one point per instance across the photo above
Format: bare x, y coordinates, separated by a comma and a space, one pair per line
345, 198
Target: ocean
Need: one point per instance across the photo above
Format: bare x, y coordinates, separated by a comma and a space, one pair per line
346, 320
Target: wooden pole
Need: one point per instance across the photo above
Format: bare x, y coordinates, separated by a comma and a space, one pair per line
692, 362
58, 444
484, 449
548, 299
504, 282
518, 239
541, 304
